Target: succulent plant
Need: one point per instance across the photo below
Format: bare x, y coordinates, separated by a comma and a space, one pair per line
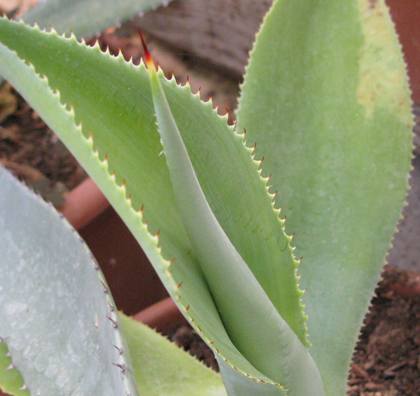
326, 98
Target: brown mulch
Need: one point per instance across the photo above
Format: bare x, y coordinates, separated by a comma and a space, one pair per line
387, 357
32, 151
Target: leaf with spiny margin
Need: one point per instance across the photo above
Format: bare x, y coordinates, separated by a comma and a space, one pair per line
87, 17
113, 99
57, 316
11, 380
337, 138
161, 368
263, 337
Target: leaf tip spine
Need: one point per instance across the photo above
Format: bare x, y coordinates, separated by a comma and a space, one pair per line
147, 57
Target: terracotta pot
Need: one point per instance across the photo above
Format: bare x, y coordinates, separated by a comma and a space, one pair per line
162, 316
132, 279
406, 16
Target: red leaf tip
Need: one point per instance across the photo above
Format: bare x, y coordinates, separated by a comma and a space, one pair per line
147, 57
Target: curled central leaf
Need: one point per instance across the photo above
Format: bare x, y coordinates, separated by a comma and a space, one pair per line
251, 320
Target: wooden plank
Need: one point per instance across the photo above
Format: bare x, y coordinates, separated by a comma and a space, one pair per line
220, 32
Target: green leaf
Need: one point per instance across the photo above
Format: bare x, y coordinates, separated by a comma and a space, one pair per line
114, 101
87, 17
161, 368
11, 380
57, 318
265, 340
337, 138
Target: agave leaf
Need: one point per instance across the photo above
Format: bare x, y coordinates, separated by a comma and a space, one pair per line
161, 368
338, 142
118, 113
273, 347
11, 380
57, 318
87, 17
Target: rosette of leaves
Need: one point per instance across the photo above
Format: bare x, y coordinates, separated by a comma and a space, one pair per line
326, 98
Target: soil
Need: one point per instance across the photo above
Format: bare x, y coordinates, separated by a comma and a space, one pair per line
387, 357
32, 151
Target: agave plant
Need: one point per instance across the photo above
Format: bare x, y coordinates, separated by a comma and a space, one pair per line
326, 98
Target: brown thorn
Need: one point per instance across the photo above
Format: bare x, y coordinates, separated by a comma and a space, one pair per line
179, 286
120, 366
114, 323
120, 351
106, 291
187, 308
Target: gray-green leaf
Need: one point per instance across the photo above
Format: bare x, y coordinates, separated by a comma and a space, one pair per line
57, 316
87, 17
